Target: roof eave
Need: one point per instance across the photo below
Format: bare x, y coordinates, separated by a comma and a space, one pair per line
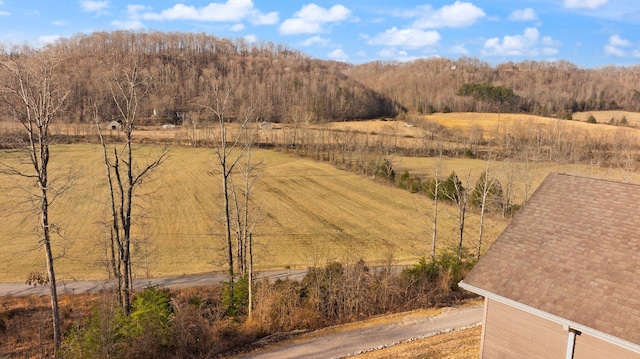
554, 318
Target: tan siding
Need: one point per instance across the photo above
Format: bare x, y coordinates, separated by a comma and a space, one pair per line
512, 333
484, 320
589, 347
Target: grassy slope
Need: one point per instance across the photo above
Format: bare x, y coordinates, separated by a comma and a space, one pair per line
311, 213
463, 344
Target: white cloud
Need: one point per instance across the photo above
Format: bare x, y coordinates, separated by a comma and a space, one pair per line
59, 23
338, 54
315, 41
229, 11
614, 51
617, 41
47, 39
252, 39
299, 26
615, 45
458, 14
585, 4
271, 18
410, 38
527, 44
237, 27
93, 6
133, 21
315, 13
459, 49
5, 13
527, 14
128, 24
311, 18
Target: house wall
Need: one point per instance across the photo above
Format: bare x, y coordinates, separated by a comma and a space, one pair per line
512, 333
590, 347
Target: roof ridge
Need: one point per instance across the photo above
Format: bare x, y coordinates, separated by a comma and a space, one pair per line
601, 179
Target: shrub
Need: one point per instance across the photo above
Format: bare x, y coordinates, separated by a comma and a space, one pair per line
385, 170
110, 333
494, 194
150, 315
409, 182
591, 119
240, 302
442, 274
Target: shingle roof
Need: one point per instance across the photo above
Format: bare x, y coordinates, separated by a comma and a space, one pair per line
572, 251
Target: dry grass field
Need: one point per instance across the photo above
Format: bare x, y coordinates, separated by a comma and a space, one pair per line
464, 344
311, 213
605, 116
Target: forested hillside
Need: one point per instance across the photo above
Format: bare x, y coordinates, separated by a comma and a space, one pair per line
470, 85
189, 70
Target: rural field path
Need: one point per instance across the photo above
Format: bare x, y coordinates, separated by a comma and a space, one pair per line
84, 286
364, 339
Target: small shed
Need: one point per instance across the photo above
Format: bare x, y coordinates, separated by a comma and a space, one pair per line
563, 279
114, 125
264, 125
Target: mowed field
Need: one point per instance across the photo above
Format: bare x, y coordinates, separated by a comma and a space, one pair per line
310, 213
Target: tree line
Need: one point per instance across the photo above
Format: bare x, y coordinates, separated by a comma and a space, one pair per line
287, 83
540, 88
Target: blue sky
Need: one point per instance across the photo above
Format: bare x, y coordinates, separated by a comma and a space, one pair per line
589, 33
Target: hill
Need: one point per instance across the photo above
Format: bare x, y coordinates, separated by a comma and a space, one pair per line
540, 88
187, 71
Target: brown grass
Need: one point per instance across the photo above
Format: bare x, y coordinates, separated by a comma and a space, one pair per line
464, 344
494, 123
605, 116
311, 213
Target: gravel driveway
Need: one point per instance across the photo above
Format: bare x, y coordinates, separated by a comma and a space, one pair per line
356, 341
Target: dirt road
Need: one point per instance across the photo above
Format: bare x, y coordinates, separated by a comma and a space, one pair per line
351, 342
78, 287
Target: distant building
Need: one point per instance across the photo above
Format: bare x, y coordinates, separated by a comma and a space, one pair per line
169, 126
563, 279
266, 125
114, 125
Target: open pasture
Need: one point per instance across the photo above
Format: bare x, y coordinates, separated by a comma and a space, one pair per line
310, 213
496, 123
633, 118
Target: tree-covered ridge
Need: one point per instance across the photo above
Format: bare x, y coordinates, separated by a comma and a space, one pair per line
540, 88
187, 68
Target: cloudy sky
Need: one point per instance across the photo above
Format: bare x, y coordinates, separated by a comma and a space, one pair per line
589, 33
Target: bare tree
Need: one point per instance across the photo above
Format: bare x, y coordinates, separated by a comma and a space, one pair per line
246, 218
229, 150
435, 191
457, 193
128, 86
486, 194
35, 95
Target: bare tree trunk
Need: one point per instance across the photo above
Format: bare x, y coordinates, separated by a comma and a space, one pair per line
128, 87
34, 96
46, 234
436, 195
463, 195
250, 244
